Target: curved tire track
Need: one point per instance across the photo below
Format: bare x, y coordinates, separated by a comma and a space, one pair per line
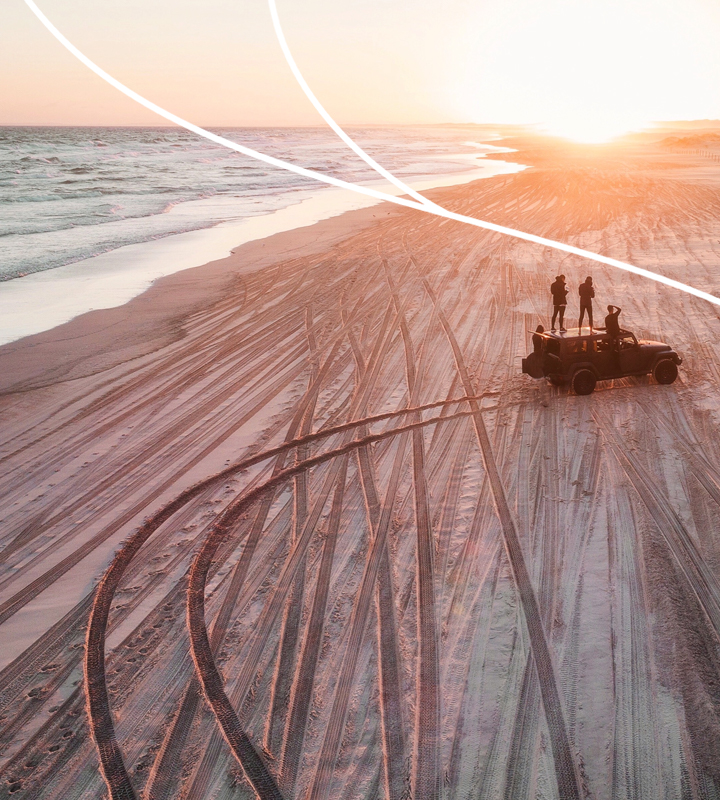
99, 712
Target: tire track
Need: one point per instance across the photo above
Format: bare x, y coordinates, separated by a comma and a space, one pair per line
167, 437
391, 706
681, 544
426, 771
289, 637
207, 671
699, 463
203, 772
321, 783
566, 769
300, 699
98, 702
383, 341
21, 598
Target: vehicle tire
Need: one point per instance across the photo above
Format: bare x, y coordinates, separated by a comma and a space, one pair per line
665, 371
557, 380
583, 382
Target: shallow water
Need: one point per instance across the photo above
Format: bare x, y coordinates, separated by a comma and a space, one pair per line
74, 257
67, 194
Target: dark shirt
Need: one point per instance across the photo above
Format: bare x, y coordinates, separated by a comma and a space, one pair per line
586, 292
559, 292
537, 343
612, 326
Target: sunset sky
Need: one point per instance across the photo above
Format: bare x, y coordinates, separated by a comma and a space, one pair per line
587, 68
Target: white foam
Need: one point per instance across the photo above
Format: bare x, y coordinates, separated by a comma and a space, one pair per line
43, 300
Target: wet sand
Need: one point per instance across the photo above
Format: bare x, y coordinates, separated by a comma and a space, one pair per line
516, 595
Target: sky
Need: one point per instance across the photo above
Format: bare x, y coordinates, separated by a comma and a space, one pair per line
583, 68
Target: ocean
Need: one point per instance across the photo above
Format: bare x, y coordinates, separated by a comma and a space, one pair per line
68, 195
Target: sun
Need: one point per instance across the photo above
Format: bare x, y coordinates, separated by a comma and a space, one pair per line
592, 129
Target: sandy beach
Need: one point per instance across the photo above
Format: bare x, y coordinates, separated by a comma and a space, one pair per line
515, 595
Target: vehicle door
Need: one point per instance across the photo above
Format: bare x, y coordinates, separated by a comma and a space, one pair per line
551, 358
604, 358
576, 351
631, 356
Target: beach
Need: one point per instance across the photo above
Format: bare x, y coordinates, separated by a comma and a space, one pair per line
515, 595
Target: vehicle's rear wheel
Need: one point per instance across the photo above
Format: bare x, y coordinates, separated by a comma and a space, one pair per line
583, 382
665, 371
557, 380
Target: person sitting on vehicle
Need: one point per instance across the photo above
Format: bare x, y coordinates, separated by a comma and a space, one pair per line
612, 326
537, 341
586, 292
559, 294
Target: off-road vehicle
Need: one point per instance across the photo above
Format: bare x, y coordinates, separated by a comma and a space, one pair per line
580, 358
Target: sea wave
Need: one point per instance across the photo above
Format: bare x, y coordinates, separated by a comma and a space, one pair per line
70, 193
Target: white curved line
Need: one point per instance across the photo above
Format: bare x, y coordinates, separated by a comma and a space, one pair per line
275, 162
428, 209
330, 121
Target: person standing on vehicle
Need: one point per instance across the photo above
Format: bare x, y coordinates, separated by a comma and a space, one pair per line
559, 294
586, 292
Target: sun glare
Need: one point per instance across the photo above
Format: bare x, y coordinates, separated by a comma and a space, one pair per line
591, 130
589, 70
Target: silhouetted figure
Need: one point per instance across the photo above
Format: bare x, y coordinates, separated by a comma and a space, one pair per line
612, 326
559, 294
537, 341
586, 292
551, 360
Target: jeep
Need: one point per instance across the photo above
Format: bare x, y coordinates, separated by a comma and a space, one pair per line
580, 357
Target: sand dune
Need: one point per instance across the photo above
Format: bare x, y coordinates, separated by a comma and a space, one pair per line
515, 595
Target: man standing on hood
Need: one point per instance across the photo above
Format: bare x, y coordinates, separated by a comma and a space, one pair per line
586, 293
559, 294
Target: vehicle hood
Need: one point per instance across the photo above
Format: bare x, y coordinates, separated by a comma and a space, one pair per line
653, 347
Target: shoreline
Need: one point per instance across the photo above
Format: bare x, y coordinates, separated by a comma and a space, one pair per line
45, 300
104, 338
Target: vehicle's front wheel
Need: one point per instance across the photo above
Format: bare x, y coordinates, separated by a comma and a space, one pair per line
583, 382
665, 371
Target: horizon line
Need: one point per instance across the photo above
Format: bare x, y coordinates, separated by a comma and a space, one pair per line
226, 126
